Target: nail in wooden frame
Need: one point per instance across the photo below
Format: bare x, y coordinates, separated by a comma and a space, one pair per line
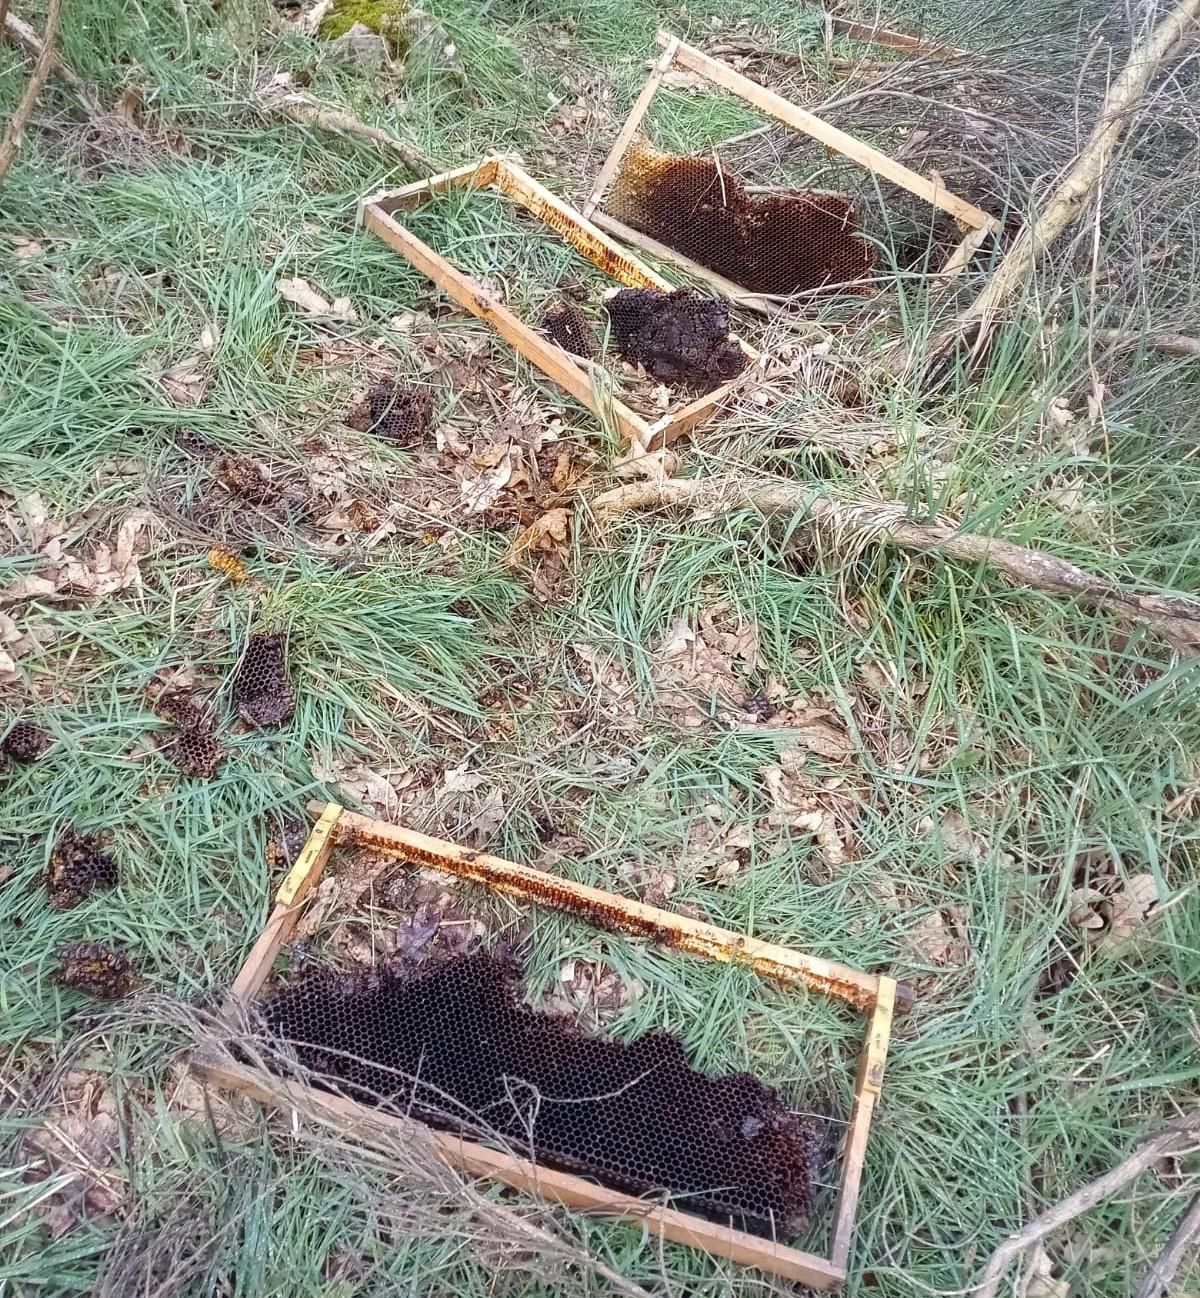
874, 995
570, 372
677, 54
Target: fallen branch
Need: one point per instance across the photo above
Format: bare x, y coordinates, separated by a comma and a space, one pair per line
1167, 343
37, 79
32, 44
1176, 619
1076, 188
1176, 1138
309, 112
1156, 1283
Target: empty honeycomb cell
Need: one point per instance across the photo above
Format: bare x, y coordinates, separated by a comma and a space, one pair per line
261, 690
77, 868
797, 241
566, 325
451, 1043
96, 969
679, 337
25, 742
400, 413
182, 709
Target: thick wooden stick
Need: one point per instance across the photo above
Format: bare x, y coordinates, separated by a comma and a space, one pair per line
1156, 1283
1170, 344
309, 112
37, 79
1080, 182
1178, 1136
1175, 618
33, 45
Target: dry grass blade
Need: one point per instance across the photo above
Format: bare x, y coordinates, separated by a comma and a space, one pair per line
37, 79
1175, 618
308, 112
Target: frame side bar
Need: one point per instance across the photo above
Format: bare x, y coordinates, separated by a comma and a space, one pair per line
301, 879
866, 1095
621, 144
799, 119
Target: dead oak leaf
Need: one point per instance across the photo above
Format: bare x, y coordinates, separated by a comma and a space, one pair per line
547, 534
941, 938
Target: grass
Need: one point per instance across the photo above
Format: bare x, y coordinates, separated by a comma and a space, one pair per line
1058, 737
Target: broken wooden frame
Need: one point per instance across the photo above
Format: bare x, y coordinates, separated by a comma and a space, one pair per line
977, 223
875, 996
572, 373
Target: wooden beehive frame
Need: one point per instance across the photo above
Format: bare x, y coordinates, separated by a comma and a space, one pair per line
875, 996
676, 54
570, 372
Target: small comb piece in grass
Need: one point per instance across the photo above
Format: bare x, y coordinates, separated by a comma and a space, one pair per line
246, 479
566, 325
228, 564
285, 846
96, 969
401, 414
261, 690
77, 868
679, 337
25, 742
195, 753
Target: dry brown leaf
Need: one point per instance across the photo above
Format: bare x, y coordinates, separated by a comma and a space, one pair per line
359, 783
186, 382
941, 937
458, 779
545, 534
1129, 908
490, 815
824, 737
491, 472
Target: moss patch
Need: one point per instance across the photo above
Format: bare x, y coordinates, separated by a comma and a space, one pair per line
384, 17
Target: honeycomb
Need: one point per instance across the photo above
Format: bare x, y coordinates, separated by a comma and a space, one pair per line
401, 414
25, 742
678, 337
450, 1042
246, 479
261, 690
195, 751
96, 969
566, 325
77, 868
792, 242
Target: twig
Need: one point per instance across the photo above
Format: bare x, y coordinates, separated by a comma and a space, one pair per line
37, 79
1176, 619
309, 112
3, 16
1175, 1138
32, 44
1157, 1281
1081, 180
1168, 343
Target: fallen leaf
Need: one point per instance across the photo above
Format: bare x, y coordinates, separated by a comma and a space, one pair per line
186, 382
458, 779
1129, 908
486, 820
941, 937
481, 489
33, 511
28, 588
547, 533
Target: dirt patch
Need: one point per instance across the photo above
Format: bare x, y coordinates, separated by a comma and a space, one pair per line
678, 337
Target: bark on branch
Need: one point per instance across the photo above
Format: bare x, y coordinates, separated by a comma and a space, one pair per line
1177, 1137
37, 79
32, 44
1176, 619
310, 112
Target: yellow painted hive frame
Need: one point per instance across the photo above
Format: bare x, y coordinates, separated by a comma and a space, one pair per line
875, 996
569, 372
676, 54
